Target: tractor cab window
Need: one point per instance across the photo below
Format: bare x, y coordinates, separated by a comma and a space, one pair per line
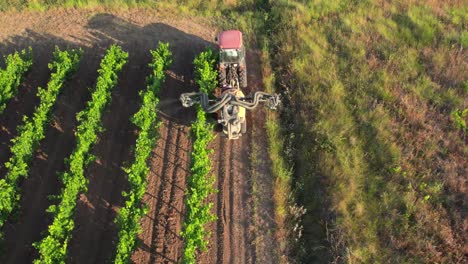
229, 55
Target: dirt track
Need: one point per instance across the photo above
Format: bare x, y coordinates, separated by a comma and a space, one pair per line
236, 237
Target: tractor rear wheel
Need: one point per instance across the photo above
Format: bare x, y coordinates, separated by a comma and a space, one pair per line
244, 127
222, 77
243, 77
231, 75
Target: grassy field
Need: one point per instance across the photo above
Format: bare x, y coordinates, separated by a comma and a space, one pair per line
208, 7
374, 124
377, 92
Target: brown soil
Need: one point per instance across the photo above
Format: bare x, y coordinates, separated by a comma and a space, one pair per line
235, 236
244, 230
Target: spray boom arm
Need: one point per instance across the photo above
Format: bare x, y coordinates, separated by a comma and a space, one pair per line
211, 106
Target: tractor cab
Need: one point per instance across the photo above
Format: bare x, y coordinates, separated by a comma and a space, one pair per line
232, 63
227, 56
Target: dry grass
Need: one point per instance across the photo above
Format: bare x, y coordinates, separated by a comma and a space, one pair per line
372, 88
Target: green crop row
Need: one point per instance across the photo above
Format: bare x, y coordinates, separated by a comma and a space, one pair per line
206, 76
31, 132
200, 184
128, 218
17, 65
53, 248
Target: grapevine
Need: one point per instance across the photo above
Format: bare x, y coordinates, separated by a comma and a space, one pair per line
53, 248
128, 218
200, 183
31, 132
17, 65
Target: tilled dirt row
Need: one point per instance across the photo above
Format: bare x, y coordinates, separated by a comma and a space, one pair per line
233, 206
161, 242
242, 233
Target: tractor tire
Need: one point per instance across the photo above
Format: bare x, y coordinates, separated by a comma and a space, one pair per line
222, 78
231, 74
243, 78
244, 127
218, 128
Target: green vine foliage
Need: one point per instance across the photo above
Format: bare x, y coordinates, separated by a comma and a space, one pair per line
200, 183
17, 65
205, 75
31, 132
53, 248
128, 218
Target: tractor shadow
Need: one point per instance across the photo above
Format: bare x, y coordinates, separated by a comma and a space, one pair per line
140, 40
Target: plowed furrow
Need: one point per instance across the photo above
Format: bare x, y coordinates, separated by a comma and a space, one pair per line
231, 234
220, 205
171, 235
243, 201
226, 200
240, 197
164, 196
166, 244
155, 180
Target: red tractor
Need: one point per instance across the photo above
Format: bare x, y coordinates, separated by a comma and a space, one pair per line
231, 102
231, 58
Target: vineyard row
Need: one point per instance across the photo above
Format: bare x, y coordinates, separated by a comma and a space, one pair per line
53, 248
17, 65
31, 132
200, 183
129, 217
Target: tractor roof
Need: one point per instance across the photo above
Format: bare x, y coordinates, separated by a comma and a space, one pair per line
230, 39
